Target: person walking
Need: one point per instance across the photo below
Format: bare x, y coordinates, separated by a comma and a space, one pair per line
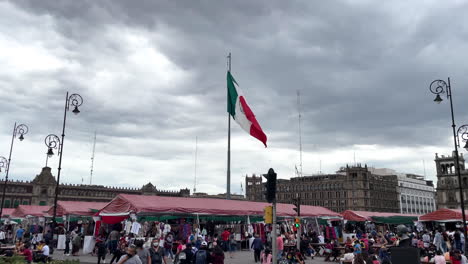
168, 243
438, 240
101, 251
186, 255
118, 252
113, 240
257, 246
202, 256
143, 253
280, 245
225, 237
157, 253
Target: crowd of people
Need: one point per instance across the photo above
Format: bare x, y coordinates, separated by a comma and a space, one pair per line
360, 247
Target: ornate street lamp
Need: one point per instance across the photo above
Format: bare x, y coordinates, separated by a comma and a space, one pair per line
463, 133
53, 142
439, 87
20, 130
3, 163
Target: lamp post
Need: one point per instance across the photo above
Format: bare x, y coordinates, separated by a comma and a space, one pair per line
20, 130
439, 87
53, 142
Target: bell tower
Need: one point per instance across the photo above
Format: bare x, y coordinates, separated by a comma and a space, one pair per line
447, 180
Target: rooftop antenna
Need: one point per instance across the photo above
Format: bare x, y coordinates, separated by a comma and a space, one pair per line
92, 161
300, 131
195, 169
354, 158
424, 166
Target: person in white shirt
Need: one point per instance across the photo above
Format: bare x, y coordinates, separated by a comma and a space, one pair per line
46, 252
348, 256
2, 236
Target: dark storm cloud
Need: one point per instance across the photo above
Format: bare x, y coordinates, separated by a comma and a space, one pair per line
362, 68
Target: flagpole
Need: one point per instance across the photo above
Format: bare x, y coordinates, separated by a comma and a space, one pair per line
228, 185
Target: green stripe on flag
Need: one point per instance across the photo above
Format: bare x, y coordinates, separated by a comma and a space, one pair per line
232, 94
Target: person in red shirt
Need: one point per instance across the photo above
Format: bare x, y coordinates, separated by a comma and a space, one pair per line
27, 253
225, 237
455, 258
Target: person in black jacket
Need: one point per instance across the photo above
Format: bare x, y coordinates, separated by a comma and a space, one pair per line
257, 246
186, 255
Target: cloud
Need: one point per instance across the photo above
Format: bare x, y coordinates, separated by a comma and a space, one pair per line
152, 75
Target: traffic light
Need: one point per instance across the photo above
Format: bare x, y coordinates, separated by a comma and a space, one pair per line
297, 204
270, 193
297, 222
268, 214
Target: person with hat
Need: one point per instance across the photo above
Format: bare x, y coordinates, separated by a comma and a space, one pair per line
202, 256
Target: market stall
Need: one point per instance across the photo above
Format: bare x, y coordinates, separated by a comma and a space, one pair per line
199, 216
443, 215
125, 204
76, 208
77, 215
379, 217
24, 211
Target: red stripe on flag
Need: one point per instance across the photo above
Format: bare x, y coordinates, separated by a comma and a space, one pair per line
255, 129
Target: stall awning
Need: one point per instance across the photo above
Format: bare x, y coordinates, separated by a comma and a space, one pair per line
443, 215
125, 204
379, 217
76, 208
7, 212
30, 210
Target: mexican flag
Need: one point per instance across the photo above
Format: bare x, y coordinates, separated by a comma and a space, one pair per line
241, 112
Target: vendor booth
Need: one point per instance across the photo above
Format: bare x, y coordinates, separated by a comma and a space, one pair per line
24, 211
379, 217
76, 214
202, 216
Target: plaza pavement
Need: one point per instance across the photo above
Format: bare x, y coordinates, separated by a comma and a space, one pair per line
240, 257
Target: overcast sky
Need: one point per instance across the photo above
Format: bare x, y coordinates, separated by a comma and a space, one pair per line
153, 73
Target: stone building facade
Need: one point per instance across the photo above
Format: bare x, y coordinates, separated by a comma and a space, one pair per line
41, 191
448, 194
415, 193
351, 188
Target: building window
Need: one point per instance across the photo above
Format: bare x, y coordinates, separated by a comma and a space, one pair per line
25, 202
42, 203
7, 204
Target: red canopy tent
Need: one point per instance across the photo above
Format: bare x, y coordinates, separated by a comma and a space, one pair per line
444, 215
76, 208
30, 210
124, 204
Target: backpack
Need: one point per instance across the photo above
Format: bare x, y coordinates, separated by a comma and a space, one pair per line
182, 255
201, 257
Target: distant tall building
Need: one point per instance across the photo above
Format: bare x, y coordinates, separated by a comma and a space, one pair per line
351, 188
448, 195
41, 191
416, 195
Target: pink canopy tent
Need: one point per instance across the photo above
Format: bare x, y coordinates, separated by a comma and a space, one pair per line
30, 210
7, 211
362, 216
124, 204
76, 208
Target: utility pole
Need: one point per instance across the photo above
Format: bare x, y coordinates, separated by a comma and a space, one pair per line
271, 198
297, 208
